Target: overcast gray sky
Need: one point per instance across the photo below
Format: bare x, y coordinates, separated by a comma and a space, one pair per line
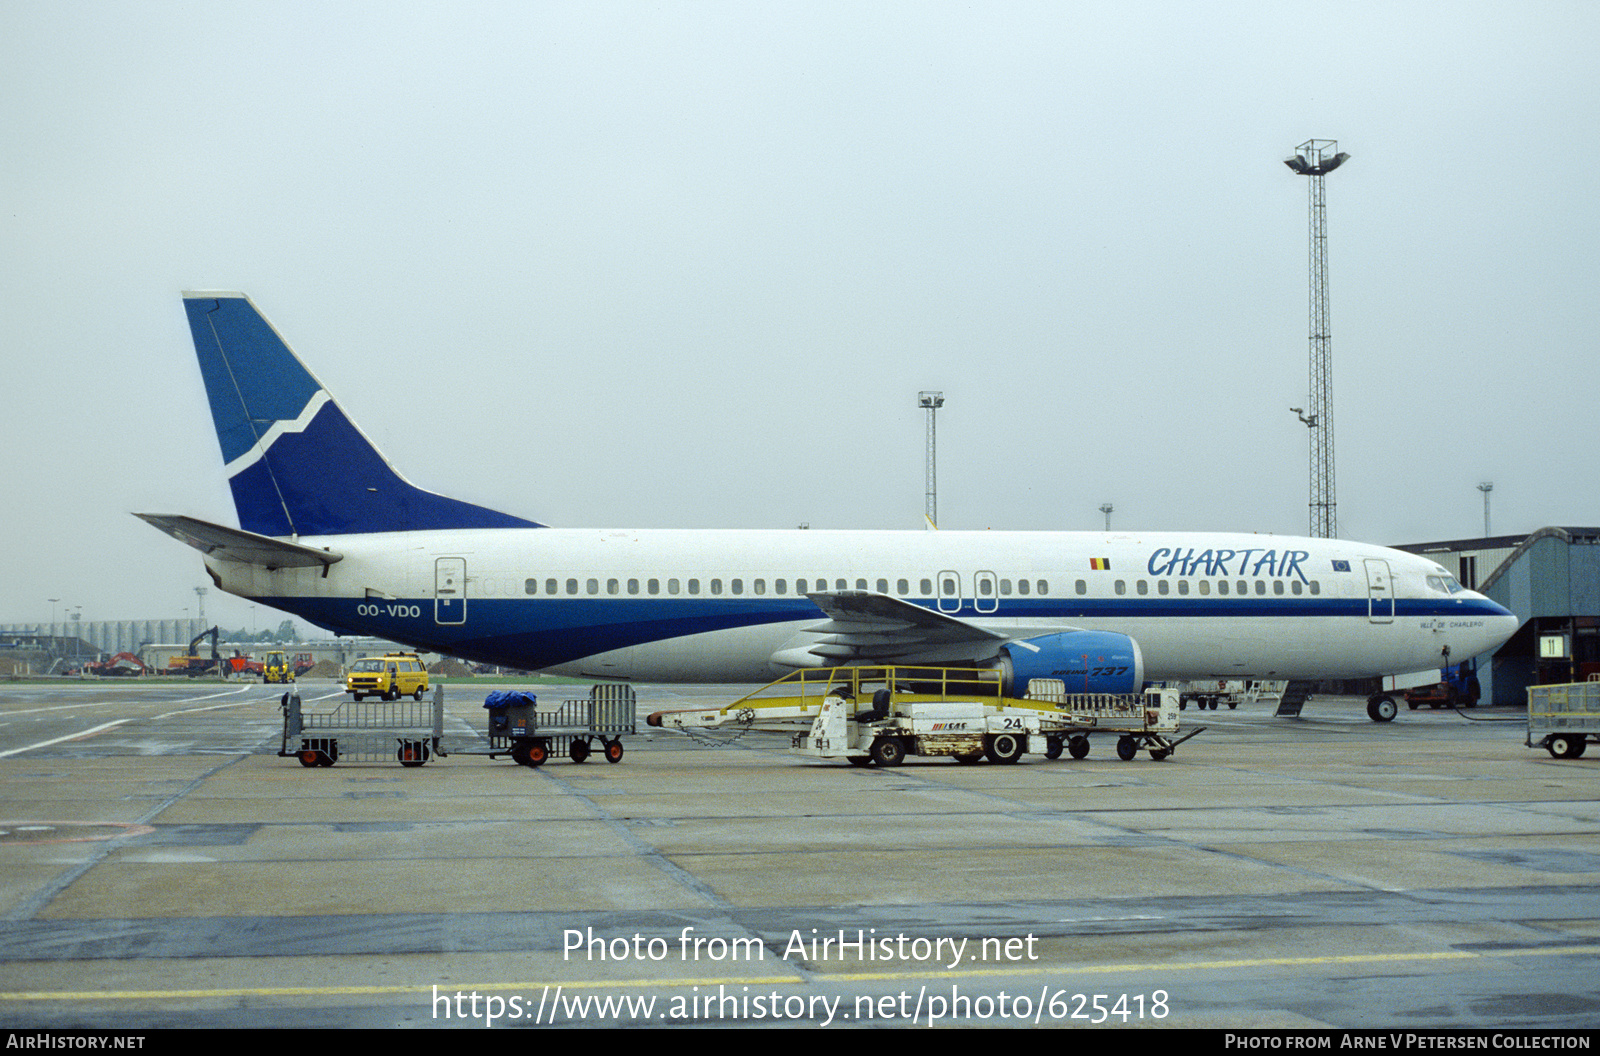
688, 264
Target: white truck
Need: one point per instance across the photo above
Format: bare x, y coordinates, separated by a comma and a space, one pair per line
880, 715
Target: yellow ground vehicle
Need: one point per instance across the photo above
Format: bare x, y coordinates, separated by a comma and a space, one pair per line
388, 677
275, 668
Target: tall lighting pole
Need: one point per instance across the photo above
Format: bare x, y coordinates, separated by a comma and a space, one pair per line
1486, 487
932, 401
1315, 158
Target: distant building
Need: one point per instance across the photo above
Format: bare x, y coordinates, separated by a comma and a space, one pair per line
1551, 580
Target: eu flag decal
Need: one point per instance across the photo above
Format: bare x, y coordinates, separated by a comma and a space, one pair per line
1101, 564
1341, 566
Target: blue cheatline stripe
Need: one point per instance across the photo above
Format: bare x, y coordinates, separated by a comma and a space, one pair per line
541, 632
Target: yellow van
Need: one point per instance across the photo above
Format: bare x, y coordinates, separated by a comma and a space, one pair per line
387, 677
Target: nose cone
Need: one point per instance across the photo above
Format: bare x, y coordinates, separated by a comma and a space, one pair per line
1498, 625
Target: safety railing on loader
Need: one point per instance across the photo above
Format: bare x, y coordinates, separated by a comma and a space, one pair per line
797, 697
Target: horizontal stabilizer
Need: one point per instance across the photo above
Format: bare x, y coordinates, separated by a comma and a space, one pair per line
235, 545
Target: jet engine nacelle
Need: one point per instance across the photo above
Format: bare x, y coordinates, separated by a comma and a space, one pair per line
1087, 661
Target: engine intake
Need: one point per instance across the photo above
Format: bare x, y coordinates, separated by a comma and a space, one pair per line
1087, 661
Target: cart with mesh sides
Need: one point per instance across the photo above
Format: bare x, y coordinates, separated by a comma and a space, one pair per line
407, 731
1565, 719
531, 734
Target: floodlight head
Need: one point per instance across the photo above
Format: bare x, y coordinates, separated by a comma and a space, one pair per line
930, 399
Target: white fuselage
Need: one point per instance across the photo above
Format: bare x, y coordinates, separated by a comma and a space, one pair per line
731, 605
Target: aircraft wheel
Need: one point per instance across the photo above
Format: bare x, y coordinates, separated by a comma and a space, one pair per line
1382, 709
1127, 748
614, 751
1003, 747
1078, 746
579, 751
888, 751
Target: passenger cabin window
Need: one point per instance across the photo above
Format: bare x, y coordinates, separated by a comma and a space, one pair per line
532, 586
572, 586
1083, 588
1022, 586
902, 587
883, 586
927, 587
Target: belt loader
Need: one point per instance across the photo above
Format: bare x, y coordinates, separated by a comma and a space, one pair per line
880, 715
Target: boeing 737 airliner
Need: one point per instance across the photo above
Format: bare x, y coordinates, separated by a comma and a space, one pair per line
330, 532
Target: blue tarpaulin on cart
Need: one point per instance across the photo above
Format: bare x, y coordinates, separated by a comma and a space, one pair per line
509, 698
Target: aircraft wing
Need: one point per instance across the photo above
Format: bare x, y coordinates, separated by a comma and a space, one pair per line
235, 545
863, 627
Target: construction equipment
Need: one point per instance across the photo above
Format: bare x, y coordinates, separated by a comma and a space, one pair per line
275, 668
192, 663
880, 715
122, 665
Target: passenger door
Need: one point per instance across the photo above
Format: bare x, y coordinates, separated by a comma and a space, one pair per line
1380, 592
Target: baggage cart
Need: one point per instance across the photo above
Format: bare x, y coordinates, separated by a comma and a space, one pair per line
408, 731
531, 735
1564, 719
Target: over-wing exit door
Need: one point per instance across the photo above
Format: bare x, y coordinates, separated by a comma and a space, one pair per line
450, 590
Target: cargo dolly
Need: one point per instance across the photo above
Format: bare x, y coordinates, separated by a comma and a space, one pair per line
408, 731
1564, 719
531, 736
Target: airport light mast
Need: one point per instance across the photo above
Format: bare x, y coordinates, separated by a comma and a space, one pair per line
1315, 158
932, 401
1486, 487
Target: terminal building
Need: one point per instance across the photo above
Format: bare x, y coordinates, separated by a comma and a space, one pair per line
1551, 580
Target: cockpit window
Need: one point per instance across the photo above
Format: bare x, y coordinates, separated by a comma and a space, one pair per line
1445, 584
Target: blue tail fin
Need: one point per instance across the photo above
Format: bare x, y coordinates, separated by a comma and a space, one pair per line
296, 464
